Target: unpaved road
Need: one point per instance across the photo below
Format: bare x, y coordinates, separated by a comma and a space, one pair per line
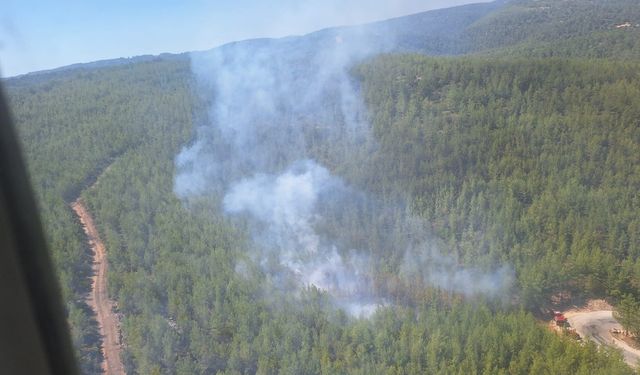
99, 299
596, 325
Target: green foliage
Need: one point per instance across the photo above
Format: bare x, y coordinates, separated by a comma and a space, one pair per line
533, 162
628, 314
569, 28
75, 123
623, 44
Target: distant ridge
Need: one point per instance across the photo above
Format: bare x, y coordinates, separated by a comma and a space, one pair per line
98, 64
526, 28
425, 32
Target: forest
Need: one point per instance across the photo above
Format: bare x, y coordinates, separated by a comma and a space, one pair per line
533, 162
523, 152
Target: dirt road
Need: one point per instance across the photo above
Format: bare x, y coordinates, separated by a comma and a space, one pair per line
99, 299
596, 325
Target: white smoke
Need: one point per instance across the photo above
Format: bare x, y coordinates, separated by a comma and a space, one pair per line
254, 154
436, 269
285, 207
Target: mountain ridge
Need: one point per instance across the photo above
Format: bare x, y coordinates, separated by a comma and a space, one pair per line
429, 15
493, 28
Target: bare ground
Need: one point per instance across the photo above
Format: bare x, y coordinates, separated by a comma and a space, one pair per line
99, 298
594, 322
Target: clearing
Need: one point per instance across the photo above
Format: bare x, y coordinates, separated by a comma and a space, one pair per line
596, 325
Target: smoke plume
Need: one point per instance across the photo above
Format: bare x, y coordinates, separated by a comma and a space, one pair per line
278, 106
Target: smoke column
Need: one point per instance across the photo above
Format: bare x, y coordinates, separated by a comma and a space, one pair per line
276, 103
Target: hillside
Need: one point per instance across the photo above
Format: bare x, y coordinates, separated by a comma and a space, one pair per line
531, 161
572, 28
73, 125
517, 161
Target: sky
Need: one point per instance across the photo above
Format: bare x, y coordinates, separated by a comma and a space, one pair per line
44, 34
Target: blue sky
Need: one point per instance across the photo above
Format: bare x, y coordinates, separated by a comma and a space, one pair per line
41, 34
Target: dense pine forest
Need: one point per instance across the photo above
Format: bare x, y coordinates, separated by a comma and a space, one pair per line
531, 161
84, 140
523, 152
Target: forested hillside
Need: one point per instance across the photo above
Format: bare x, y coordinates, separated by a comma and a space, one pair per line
74, 124
186, 310
570, 28
533, 162
504, 159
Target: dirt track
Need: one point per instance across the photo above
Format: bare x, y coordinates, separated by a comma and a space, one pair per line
596, 325
99, 299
